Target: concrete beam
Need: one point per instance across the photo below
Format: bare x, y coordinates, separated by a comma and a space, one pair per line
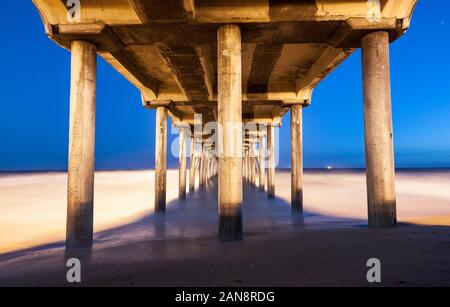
110, 47
186, 68
163, 10
325, 64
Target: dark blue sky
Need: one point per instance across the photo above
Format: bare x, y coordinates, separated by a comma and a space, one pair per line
34, 114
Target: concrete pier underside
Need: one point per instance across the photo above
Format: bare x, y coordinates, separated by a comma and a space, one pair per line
168, 49
235, 62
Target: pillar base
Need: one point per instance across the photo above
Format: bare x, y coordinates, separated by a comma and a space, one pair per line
79, 232
160, 211
79, 244
230, 228
297, 204
383, 219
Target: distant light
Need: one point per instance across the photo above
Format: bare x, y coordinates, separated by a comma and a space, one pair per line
329, 167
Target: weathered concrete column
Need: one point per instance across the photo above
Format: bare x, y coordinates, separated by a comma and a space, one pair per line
271, 166
215, 166
206, 170
245, 165
230, 132
192, 165
210, 169
296, 160
255, 165
182, 165
249, 166
197, 170
262, 166
202, 179
380, 167
160, 159
252, 165
80, 189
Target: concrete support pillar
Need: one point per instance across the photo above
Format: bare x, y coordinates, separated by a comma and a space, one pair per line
202, 167
380, 167
215, 166
230, 132
160, 160
252, 165
244, 164
207, 161
262, 166
210, 169
255, 165
192, 165
271, 166
249, 166
206, 168
80, 190
255, 170
296, 160
182, 165
249, 169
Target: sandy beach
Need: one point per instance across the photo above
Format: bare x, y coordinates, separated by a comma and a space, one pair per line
145, 250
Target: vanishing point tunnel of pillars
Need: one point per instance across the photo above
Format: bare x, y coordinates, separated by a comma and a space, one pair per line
229, 165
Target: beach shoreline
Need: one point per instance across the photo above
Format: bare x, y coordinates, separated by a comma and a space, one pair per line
326, 248
123, 197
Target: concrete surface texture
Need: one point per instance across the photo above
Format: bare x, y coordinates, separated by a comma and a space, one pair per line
168, 49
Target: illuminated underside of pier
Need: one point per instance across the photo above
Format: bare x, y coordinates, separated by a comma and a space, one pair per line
230, 61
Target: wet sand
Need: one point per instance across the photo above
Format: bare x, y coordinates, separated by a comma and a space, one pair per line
135, 248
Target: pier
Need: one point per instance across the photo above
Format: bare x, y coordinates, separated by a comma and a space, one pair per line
242, 65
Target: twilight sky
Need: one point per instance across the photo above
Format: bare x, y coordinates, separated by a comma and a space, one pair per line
34, 98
